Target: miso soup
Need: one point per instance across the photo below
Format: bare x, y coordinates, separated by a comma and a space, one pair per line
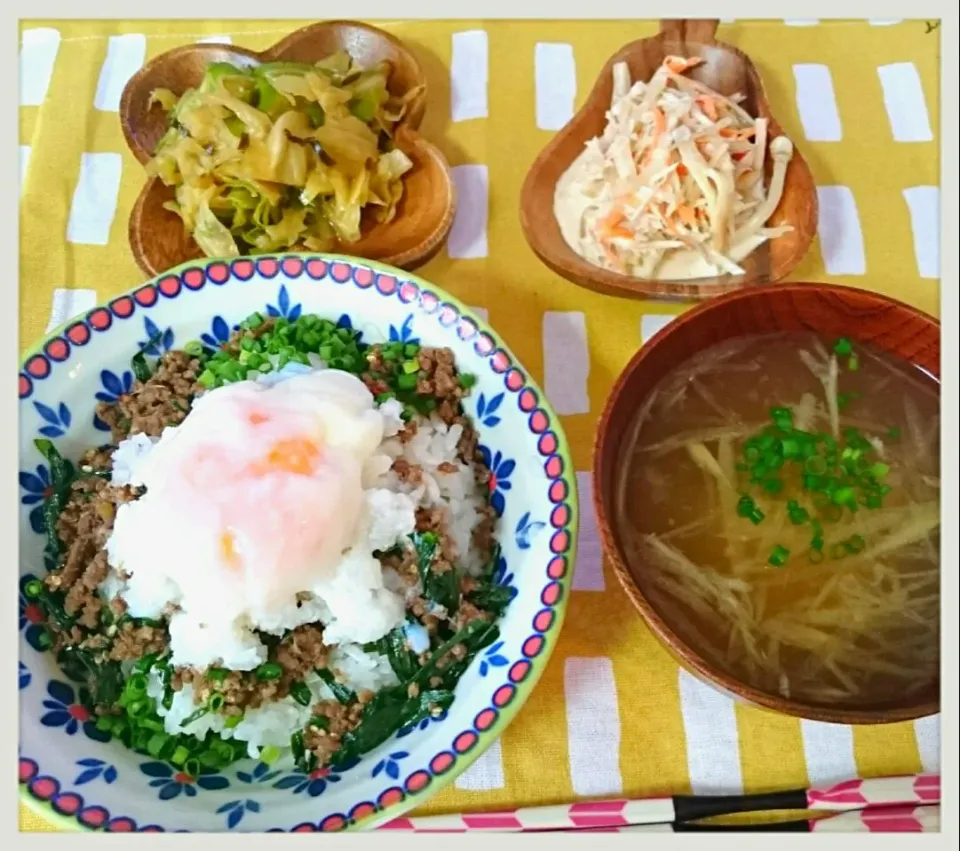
780, 504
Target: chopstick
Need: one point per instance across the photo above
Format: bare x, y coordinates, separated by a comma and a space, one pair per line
880, 819
850, 795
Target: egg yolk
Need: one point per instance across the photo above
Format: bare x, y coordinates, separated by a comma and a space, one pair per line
295, 455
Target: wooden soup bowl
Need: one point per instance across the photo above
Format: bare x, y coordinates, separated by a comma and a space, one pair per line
832, 311
425, 213
727, 71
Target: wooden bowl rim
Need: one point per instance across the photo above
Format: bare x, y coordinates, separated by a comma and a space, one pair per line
604, 281
409, 126
673, 643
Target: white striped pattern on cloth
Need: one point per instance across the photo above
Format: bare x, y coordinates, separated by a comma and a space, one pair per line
593, 726
828, 749
841, 237
468, 75
566, 361
588, 572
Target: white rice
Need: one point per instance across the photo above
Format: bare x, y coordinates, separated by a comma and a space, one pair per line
364, 612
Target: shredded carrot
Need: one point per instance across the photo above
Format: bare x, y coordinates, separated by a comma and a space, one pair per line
687, 215
677, 64
709, 107
659, 122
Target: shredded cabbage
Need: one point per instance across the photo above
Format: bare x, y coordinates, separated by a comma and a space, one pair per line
282, 155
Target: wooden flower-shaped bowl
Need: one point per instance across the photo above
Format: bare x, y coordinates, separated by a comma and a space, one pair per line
425, 214
726, 70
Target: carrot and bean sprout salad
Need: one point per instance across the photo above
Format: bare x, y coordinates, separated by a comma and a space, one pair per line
679, 169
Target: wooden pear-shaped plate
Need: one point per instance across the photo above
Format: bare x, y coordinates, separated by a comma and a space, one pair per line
726, 70
425, 213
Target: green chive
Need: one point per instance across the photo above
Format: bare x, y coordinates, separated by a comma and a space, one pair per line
269, 671
301, 693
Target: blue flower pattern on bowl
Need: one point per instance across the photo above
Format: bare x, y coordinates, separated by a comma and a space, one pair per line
114, 386
283, 307
526, 528
313, 783
218, 334
493, 658
57, 421
25, 676
37, 487
403, 334
171, 782
157, 341
235, 811
390, 765
501, 469
65, 709
261, 774
487, 407
94, 769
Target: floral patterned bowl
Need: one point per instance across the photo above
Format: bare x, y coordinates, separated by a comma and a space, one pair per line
69, 773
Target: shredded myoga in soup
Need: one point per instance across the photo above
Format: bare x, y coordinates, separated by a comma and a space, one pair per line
803, 555
288, 544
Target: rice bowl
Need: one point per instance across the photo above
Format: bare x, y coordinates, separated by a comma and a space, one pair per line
300, 617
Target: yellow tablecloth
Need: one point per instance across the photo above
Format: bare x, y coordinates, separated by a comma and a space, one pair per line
613, 713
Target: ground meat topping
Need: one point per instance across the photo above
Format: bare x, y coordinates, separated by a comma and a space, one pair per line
410, 474
341, 719
134, 642
301, 652
161, 401
83, 528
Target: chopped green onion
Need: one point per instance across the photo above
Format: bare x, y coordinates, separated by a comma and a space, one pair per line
407, 381
321, 722
157, 743
270, 755
217, 675
33, 589
756, 517
467, 381
232, 721
853, 364
215, 702
745, 506
843, 347
779, 556
192, 767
